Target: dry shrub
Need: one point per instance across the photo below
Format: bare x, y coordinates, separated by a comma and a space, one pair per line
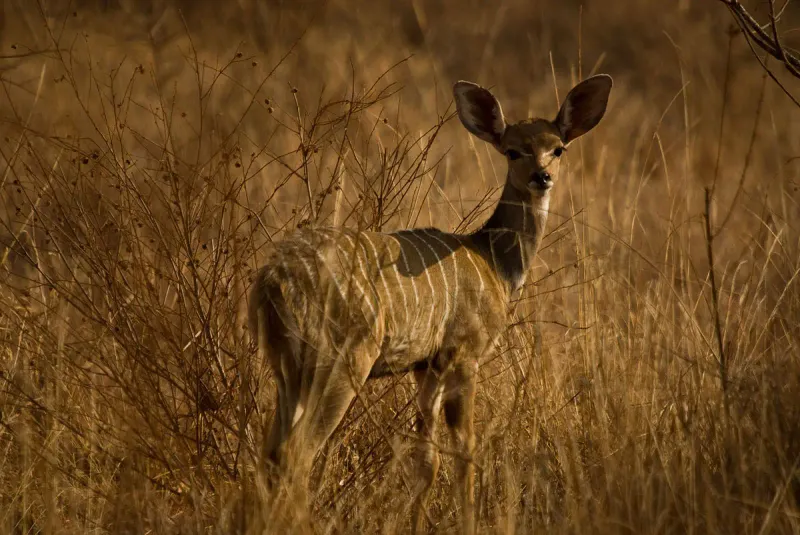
150, 150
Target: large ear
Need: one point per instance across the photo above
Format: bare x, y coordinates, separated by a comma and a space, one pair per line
479, 111
584, 106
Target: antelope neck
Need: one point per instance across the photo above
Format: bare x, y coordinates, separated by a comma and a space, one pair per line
511, 236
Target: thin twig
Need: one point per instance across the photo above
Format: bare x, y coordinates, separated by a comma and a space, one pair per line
754, 33
747, 159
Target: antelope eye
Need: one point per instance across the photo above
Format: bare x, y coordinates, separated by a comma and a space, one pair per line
558, 152
513, 154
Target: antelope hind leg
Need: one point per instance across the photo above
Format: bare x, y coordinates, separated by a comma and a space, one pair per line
333, 387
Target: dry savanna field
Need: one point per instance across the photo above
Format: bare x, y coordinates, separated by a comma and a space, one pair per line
151, 149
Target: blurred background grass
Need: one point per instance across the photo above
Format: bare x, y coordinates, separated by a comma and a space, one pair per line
150, 148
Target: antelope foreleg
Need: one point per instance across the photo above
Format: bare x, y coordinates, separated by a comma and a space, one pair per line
429, 399
459, 408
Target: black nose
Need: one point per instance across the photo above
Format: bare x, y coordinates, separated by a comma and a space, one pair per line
542, 178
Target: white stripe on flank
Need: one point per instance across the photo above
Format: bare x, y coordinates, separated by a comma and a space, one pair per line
400, 283
427, 275
478, 271
330, 232
440, 261
455, 262
322, 259
379, 267
300, 253
408, 269
354, 277
306, 265
288, 278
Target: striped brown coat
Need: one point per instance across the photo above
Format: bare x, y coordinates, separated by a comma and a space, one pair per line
332, 308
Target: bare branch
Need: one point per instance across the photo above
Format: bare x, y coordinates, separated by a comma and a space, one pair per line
769, 43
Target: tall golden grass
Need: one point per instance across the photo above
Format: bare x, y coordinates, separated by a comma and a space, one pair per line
150, 149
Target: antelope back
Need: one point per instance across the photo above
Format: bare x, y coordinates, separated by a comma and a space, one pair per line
410, 291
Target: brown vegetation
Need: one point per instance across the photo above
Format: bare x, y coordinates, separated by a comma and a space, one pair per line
149, 150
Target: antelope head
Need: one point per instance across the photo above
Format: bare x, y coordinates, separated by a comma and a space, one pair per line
533, 147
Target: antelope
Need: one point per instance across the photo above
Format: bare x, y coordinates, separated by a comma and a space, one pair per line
332, 308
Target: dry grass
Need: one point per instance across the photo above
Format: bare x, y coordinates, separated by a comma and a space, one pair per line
150, 149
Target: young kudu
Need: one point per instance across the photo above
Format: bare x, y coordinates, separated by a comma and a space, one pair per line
335, 307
